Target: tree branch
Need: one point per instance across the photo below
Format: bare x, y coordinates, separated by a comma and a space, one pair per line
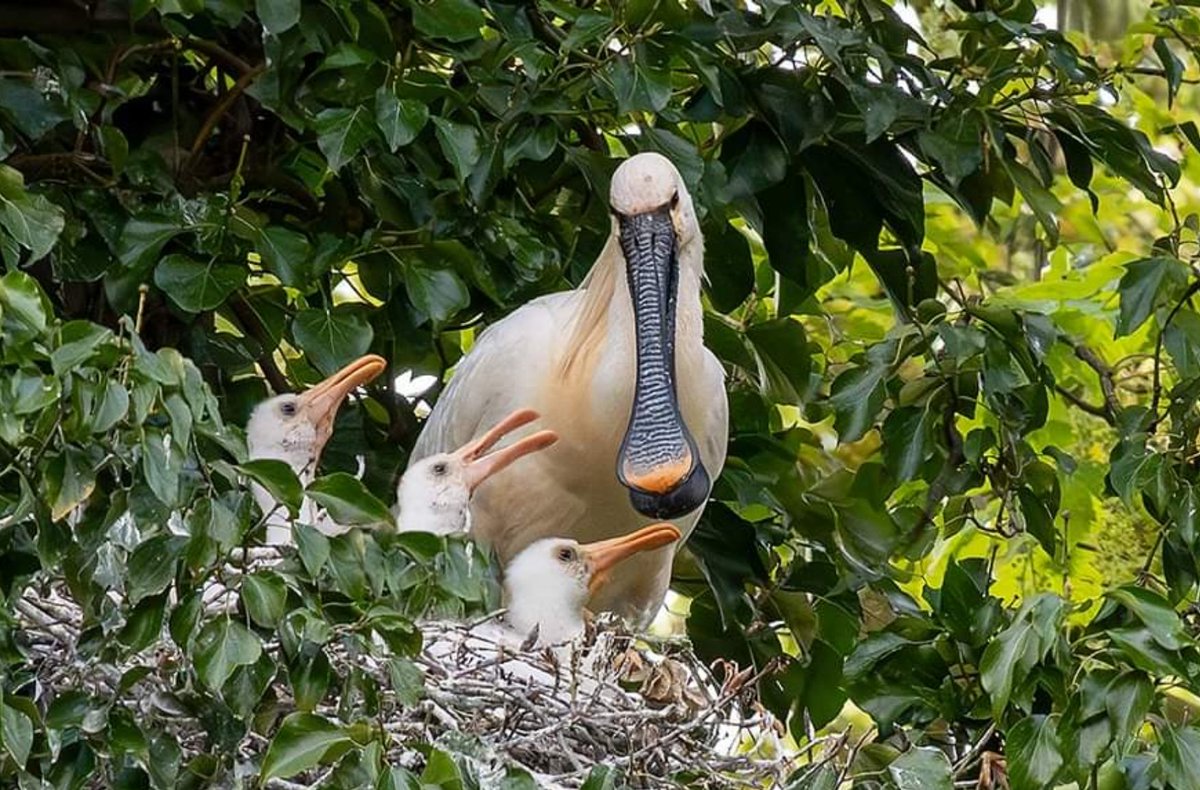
1158, 347
253, 327
1112, 407
218, 112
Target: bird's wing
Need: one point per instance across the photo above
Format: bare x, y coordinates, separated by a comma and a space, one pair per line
499, 374
716, 418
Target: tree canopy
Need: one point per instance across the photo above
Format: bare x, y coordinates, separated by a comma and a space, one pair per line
951, 261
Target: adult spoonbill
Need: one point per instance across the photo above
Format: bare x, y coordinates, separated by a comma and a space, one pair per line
434, 495
294, 428
618, 368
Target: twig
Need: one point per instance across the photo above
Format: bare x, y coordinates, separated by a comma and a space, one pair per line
1158, 347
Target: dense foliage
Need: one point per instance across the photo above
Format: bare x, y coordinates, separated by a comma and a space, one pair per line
951, 278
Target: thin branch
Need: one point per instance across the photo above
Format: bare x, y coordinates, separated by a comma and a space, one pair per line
1096, 410
1158, 347
222, 107
253, 327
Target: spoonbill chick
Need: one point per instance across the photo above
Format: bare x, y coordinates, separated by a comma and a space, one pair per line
548, 584
294, 428
434, 495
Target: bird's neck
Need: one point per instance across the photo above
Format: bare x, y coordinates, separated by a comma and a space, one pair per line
558, 618
427, 515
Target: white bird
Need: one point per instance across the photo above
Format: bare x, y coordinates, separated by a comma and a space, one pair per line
618, 368
434, 495
549, 582
294, 428
547, 587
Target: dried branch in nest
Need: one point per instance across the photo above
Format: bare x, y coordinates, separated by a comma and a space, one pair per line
556, 712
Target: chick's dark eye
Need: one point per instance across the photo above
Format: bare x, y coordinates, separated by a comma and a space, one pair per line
566, 554
439, 468
288, 408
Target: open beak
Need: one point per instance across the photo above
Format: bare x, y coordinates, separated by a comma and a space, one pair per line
658, 461
481, 465
602, 555
320, 404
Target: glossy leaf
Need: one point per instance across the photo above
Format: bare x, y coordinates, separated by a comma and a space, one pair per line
302, 742
348, 500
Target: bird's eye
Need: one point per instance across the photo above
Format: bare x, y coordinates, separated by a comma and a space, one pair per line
288, 408
566, 554
675, 199
439, 468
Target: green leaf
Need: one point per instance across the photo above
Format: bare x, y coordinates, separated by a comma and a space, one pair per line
906, 434
437, 294
1181, 338
1180, 756
17, 729
1011, 654
265, 597
161, 464
955, 145
348, 500
1041, 201
342, 133
728, 264
222, 646
24, 306
453, 20
1172, 67
78, 342
143, 626
1039, 521
310, 674
857, 396
277, 16
313, 547
408, 681
784, 362
152, 566
70, 479
1034, 752
1152, 609
332, 338
143, 238
196, 286
400, 120
303, 741
33, 222
922, 769
441, 771
1146, 284
31, 111
286, 253
459, 144
279, 481
1127, 700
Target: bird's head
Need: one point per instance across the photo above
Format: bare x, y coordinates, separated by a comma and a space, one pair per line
648, 184
655, 221
548, 583
295, 427
434, 493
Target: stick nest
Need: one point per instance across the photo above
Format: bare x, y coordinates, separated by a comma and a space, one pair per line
660, 716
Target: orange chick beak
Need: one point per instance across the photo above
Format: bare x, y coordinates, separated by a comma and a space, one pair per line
320, 403
603, 555
480, 465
